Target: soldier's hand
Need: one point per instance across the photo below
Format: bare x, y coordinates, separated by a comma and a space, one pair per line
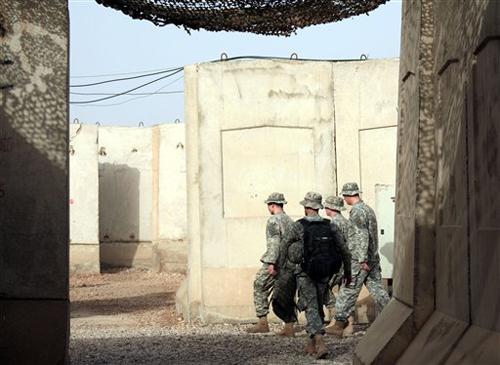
272, 270
346, 280
364, 266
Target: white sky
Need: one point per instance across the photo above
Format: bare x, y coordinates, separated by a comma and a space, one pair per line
105, 41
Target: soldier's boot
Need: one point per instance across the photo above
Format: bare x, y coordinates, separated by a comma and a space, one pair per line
331, 314
337, 329
321, 349
310, 347
260, 327
287, 330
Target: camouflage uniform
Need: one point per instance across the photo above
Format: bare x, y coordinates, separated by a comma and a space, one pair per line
277, 226
364, 248
312, 293
342, 226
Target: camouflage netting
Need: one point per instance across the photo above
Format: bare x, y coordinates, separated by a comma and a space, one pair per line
270, 17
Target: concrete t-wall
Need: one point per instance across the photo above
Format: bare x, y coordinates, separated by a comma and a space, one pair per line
34, 306
84, 199
136, 206
447, 288
169, 197
125, 195
257, 126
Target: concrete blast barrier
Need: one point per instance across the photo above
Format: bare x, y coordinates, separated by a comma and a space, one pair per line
447, 288
127, 197
83, 201
34, 182
257, 126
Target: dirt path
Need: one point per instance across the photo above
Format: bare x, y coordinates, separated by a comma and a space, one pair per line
128, 317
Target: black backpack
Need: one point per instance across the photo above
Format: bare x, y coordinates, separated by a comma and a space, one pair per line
322, 258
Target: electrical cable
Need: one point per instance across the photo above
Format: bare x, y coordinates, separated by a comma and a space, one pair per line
156, 92
142, 94
126, 91
116, 74
128, 78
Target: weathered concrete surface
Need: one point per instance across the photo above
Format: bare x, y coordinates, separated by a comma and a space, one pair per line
254, 127
83, 198
33, 182
169, 198
125, 184
449, 167
137, 204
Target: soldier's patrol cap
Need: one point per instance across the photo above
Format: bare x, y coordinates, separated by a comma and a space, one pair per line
350, 189
312, 200
334, 203
277, 198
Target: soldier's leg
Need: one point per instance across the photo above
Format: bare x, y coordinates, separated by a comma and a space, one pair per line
323, 297
261, 290
376, 288
348, 295
308, 301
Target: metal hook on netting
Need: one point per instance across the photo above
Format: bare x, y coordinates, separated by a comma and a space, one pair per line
363, 57
223, 56
76, 121
294, 56
141, 124
177, 121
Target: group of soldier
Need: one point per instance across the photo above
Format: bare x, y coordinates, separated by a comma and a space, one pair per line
285, 276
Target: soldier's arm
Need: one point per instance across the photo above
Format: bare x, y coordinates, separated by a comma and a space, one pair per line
273, 235
358, 222
343, 249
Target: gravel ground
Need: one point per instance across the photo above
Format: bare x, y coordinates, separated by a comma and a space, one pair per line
109, 325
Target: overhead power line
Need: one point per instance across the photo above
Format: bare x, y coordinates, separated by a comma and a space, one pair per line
143, 94
128, 78
116, 74
127, 91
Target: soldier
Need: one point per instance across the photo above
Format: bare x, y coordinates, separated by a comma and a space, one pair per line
334, 205
311, 282
276, 231
366, 266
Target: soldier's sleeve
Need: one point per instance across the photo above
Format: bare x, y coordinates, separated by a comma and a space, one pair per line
374, 228
357, 217
273, 235
358, 222
344, 251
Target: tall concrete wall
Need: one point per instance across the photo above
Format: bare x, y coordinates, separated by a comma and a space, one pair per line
136, 205
169, 197
254, 127
125, 195
84, 199
33, 182
447, 288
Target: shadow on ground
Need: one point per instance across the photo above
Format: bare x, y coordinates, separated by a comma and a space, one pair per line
88, 308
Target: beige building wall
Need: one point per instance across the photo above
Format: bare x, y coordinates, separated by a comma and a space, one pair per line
253, 127
83, 198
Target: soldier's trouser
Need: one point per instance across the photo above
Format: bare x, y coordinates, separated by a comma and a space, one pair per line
262, 287
311, 300
346, 300
330, 299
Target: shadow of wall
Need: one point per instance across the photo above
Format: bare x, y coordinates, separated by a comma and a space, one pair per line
119, 214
